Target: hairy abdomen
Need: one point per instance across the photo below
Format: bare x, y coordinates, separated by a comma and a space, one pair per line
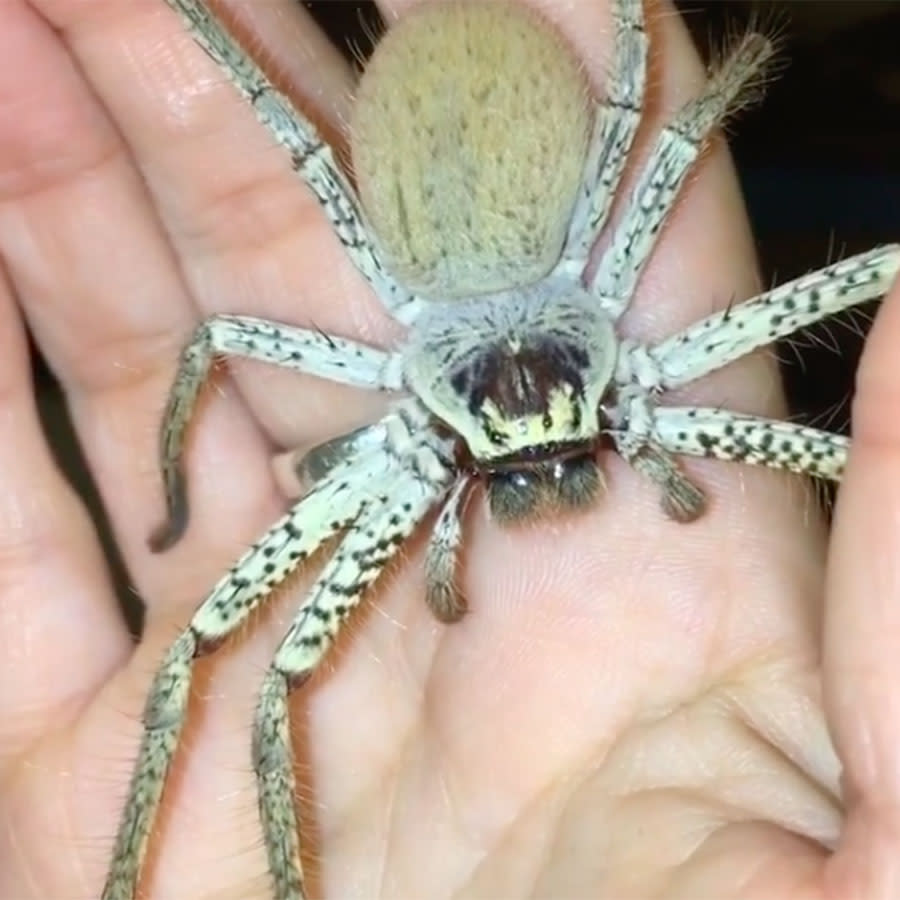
468, 138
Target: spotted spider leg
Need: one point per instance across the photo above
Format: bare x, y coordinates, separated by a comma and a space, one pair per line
724, 337
441, 592
418, 469
733, 332
718, 433
673, 155
441, 560
311, 352
616, 123
311, 157
312, 465
339, 502
650, 437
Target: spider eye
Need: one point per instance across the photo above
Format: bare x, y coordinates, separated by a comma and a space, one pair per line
497, 438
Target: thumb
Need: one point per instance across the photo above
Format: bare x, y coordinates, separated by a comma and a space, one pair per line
862, 625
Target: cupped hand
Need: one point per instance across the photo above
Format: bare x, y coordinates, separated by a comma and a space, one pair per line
632, 707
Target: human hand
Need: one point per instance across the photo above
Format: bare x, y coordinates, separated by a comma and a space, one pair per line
632, 706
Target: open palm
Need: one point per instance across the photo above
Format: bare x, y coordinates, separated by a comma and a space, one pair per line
632, 707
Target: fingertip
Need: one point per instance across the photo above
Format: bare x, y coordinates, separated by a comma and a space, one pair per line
287, 469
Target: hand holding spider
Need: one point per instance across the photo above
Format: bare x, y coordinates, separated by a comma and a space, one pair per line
618, 675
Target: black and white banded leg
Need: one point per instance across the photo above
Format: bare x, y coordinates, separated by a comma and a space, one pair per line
300, 349
671, 159
710, 432
725, 336
310, 156
616, 122
414, 481
648, 436
331, 506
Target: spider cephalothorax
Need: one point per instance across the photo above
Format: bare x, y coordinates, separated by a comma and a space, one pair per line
487, 172
520, 378
511, 356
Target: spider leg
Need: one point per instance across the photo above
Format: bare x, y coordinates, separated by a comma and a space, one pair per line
632, 434
317, 462
649, 437
672, 157
681, 499
725, 336
312, 159
701, 431
330, 507
399, 500
712, 343
616, 122
312, 352
441, 591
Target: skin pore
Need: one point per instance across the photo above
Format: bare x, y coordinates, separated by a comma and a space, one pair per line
631, 708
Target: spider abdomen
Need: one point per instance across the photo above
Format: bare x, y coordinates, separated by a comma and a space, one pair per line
469, 135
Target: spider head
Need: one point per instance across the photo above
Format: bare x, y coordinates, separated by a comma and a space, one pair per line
521, 380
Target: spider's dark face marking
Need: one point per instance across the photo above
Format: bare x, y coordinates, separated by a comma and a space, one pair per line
525, 396
517, 377
533, 387
530, 398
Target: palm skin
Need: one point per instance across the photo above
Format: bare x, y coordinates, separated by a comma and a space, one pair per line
632, 708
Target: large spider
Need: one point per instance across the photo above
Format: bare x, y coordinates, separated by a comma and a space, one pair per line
484, 182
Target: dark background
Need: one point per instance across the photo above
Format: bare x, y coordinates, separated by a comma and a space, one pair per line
819, 162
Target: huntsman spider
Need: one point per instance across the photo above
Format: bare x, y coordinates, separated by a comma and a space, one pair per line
480, 186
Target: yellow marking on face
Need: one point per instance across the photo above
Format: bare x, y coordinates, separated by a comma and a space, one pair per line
532, 430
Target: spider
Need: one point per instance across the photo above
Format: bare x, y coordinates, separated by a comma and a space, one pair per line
512, 373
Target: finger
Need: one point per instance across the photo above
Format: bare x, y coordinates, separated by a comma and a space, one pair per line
98, 283
862, 632
250, 237
61, 626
